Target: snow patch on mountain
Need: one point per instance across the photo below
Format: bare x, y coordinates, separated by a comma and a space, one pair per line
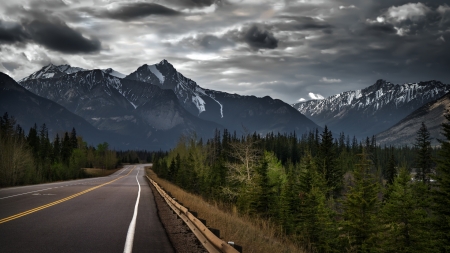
199, 102
156, 72
52, 71
221, 106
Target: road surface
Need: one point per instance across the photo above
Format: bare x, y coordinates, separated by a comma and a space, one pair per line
116, 213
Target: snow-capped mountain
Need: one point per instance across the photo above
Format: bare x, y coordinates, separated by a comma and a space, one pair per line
158, 102
405, 131
52, 71
30, 109
150, 114
232, 111
167, 77
371, 110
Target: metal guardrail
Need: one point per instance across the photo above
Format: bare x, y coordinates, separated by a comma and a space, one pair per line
210, 241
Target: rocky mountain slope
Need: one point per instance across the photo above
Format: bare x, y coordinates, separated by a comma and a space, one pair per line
149, 113
371, 110
405, 131
232, 111
29, 109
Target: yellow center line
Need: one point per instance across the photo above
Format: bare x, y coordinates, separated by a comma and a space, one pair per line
16, 216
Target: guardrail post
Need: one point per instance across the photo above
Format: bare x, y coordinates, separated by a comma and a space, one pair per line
236, 247
216, 232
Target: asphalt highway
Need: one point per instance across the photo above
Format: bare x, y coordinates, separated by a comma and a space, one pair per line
110, 214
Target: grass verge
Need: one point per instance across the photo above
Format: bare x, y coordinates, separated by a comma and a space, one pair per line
92, 172
254, 235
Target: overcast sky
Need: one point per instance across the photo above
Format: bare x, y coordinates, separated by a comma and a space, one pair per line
287, 49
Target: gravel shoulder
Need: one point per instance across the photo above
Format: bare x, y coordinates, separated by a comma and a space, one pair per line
182, 239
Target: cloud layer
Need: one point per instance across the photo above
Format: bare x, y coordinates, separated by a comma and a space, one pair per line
285, 49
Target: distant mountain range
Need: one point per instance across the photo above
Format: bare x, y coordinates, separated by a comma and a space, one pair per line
371, 110
153, 106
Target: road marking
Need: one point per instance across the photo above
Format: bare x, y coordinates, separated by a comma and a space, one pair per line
130, 234
16, 216
123, 170
27, 193
37, 185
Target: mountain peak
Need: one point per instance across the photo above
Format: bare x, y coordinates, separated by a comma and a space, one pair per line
52, 71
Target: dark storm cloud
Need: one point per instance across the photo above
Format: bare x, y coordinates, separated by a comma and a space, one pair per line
12, 33
132, 11
56, 35
193, 3
258, 37
380, 28
255, 35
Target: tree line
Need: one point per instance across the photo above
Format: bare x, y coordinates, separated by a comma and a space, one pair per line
35, 158
328, 194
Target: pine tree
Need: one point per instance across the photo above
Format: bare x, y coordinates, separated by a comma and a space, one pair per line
424, 159
315, 217
66, 149
442, 190
73, 139
391, 171
405, 217
326, 162
360, 207
56, 149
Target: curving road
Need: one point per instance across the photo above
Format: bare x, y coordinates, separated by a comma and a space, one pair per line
109, 214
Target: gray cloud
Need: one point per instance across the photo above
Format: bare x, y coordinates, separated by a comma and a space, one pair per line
302, 23
10, 66
53, 34
56, 35
12, 32
258, 37
206, 42
279, 48
193, 3
132, 11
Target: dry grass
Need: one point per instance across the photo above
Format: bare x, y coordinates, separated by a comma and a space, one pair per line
92, 172
254, 235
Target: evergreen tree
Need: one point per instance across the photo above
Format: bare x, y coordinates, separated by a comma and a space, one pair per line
405, 218
360, 206
315, 217
56, 149
326, 162
391, 170
424, 159
73, 139
442, 190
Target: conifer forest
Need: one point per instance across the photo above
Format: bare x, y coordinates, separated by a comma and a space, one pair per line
327, 193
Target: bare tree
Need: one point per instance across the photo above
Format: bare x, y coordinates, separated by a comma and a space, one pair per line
245, 157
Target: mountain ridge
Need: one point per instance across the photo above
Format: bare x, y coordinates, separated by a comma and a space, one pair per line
371, 110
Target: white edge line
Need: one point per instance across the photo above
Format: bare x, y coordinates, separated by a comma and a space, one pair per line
130, 234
